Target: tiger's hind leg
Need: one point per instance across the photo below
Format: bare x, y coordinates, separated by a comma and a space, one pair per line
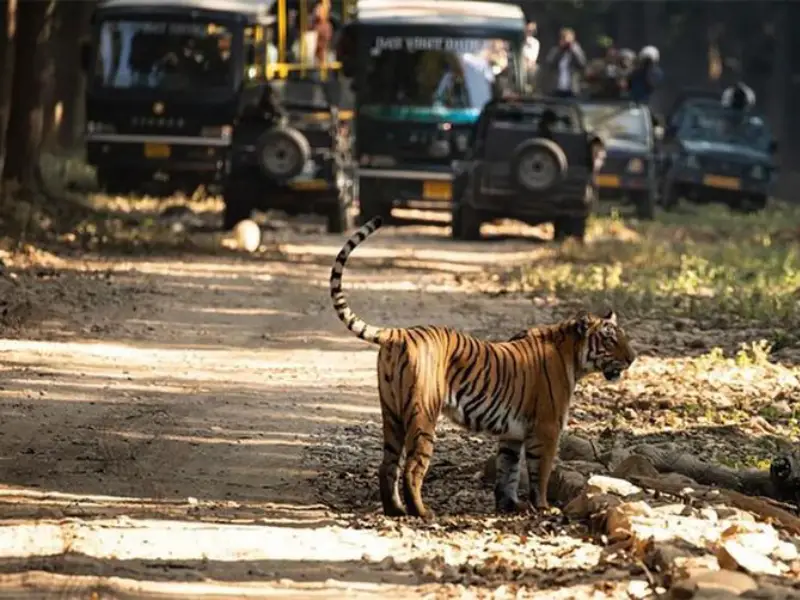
393, 443
540, 453
419, 451
507, 476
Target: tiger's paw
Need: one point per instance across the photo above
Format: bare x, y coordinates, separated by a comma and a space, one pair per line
394, 511
511, 506
550, 511
428, 516
425, 514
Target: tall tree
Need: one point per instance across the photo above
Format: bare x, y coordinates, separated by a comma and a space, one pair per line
65, 115
29, 79
8, 25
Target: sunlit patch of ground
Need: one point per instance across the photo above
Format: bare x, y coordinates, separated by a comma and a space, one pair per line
163, 415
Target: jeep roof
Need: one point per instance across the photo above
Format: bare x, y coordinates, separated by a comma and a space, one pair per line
255, 11
441, 13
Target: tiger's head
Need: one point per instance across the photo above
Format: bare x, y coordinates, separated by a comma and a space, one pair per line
607, 349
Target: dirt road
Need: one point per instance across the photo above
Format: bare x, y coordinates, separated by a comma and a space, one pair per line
163, 420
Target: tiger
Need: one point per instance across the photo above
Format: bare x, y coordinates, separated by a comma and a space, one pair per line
518, 390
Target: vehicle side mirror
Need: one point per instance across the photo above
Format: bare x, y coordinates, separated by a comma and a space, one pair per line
773, 147
86, 56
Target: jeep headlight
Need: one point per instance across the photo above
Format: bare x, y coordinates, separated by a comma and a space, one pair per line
635, 165
222, 132
692, 162
757, 172
99, 127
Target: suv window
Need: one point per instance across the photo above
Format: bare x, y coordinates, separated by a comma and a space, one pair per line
568, 119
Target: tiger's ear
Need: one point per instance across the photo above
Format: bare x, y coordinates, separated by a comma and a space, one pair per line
611, 316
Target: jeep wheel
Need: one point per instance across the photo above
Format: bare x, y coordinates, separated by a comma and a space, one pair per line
750, 203
283, 153
570, 227
538, 165
645, 204
238, 204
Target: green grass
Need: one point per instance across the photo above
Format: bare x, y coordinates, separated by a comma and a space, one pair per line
711, 264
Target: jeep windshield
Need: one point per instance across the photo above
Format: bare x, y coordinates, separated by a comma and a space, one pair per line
618, 122
718, 125
163, 55
412, 77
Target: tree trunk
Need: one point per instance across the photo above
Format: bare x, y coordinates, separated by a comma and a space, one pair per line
67, 107
27, 113
8, 25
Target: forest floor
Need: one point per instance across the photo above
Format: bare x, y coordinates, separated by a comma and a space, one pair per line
177, 422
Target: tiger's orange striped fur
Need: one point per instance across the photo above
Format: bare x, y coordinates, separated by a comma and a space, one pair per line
519, 390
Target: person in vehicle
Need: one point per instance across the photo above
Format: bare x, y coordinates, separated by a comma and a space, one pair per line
567, 63
741, 99
530, 53
608, 79
739, 96
626, 60
646, 75
546, 122
321, 24
452, 90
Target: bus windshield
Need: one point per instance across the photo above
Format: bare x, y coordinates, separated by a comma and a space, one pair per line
435, 73
163, 55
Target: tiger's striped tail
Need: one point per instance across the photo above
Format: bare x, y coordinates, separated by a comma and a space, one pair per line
346, 315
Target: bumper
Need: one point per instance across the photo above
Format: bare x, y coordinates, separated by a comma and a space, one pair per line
615, 184
158, 153
313, 194
570, 199
420, 188
702, 182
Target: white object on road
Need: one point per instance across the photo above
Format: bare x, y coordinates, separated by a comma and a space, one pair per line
248, 235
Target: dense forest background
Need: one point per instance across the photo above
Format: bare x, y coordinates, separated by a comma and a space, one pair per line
708, 43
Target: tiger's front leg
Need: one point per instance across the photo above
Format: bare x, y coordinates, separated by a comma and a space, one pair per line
507, 474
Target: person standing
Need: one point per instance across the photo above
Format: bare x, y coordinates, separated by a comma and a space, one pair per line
739, 96
646, 76
567, 61
321, 24
530, 54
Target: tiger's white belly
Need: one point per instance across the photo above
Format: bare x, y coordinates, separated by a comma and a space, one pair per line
506, 427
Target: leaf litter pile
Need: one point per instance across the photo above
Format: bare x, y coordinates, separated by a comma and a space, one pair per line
663, 486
